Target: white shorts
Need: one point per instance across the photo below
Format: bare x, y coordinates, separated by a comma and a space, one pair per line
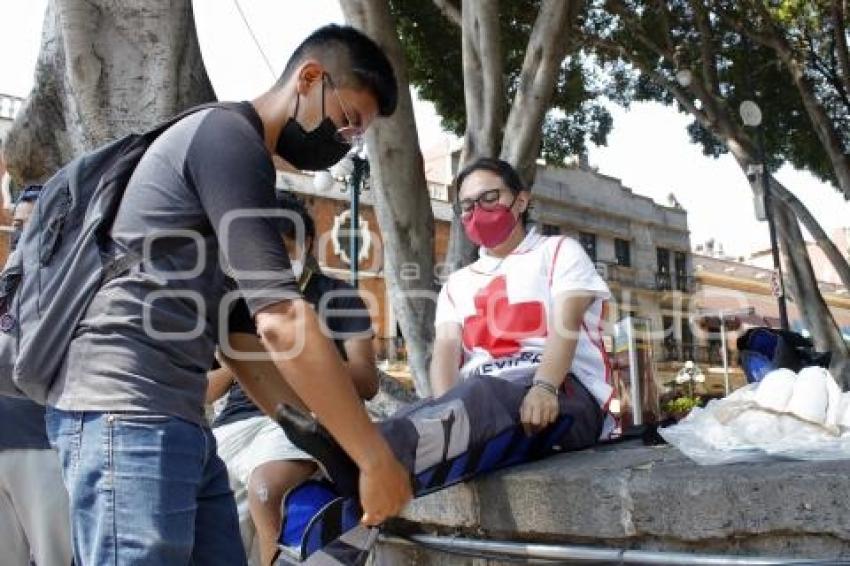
244, 446
249, 443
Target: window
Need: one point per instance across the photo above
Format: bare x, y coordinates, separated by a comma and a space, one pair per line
680, 261
663, 255
550, 230
623, 252
588, 242
687, 340
662, 276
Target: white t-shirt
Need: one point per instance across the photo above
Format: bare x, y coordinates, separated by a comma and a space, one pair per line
503, 305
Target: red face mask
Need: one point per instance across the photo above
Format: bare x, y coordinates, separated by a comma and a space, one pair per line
489, 228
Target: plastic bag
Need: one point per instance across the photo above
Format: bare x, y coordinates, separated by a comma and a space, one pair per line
757, 423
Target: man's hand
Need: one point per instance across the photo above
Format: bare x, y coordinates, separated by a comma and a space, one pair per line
384, 490
539, 409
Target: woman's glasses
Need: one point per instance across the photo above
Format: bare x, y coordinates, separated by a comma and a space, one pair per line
486, 201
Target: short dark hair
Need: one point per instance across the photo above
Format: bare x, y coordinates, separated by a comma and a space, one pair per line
367, 65
499, 167
291, 202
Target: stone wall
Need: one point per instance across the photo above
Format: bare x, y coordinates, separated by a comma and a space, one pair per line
635, 497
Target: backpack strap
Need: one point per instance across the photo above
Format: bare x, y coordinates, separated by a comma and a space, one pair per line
160, 128
120, 264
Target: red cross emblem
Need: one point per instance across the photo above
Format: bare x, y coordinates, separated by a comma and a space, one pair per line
498, 325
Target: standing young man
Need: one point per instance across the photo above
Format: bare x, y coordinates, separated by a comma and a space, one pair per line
139, 462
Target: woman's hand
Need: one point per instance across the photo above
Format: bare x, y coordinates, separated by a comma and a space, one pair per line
539, 409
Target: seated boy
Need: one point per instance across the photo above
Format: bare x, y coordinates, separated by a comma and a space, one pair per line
261, 461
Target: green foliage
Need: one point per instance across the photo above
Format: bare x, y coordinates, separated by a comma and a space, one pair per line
432, 46
744, 69
681, 405
636, 31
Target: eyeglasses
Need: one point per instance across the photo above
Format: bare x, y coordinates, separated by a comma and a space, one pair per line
351, 133
486, 200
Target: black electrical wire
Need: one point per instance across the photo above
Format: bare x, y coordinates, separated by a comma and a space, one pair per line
254, 37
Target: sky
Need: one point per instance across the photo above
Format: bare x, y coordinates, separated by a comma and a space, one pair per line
648, 148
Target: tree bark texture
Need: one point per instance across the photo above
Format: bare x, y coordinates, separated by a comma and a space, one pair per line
106, 68
547, 48
403, 204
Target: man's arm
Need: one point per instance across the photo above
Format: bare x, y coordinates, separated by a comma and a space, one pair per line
445, 358
259, 378
361, 365
219, 381
317, 375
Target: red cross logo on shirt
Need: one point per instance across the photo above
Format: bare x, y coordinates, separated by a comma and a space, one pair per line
498, 325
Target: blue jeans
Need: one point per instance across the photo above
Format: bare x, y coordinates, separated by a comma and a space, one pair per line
145, 489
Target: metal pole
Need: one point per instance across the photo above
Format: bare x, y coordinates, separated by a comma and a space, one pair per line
724, 352
575, 554
354, 252
774, 246
360, 170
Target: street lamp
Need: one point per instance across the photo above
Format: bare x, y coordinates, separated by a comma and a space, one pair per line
751, 115
354, 170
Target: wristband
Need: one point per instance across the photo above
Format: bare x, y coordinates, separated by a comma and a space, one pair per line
543, 384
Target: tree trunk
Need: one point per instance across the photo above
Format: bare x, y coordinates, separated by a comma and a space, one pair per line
804, 289
105, 68
842, 52
403, 204
482, 79
483, 90
544, 55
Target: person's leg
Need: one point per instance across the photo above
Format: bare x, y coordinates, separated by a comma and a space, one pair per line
77, 440
41, 503
266, 488
475, 428
12, 538
132, 482
233, 444
217, 541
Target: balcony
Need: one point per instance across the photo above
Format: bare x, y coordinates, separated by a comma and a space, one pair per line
705, 354
678, 282
614, 273
685, 283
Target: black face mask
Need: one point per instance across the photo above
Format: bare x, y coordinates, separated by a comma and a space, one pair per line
314, 150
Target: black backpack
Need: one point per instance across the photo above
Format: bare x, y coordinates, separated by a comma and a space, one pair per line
62, 259
761, 350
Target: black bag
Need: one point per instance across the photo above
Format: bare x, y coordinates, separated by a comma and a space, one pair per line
61, 261
763, 349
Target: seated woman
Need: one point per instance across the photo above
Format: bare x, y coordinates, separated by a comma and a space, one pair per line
262, 462
529, 310
519, 371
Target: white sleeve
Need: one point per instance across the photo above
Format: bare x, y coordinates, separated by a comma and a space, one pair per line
446, 309
572, 270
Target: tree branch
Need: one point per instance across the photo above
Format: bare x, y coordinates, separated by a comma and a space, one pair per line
821, 122
823, 241
620, 9
841, 50
706, 46
544, 55
483, 83
450, 11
